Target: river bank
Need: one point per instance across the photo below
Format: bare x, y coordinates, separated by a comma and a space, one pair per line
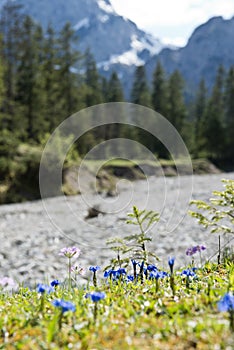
32, 233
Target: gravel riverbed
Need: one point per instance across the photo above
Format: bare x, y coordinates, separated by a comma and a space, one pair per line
33, 233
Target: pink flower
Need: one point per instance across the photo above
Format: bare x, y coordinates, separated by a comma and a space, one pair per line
70, 252
7, 283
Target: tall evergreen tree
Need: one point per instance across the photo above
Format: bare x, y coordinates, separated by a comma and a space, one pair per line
200, 106
229, 114
140, 93
160, 91
92, 80
114, 94
67, 72
51, 81
10, 29
176, 109
2, 87
214, 123
28, 85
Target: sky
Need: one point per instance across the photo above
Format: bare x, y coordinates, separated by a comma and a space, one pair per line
172, 21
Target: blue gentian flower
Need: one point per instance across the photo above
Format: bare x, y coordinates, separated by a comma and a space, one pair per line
171, 262
188, 273
158, 274
44, 288
107, 273
95, 296
141, 265
152, 267
54, 283
134, 263
94, 268
130, 278
121, 271
226, 303
64, 305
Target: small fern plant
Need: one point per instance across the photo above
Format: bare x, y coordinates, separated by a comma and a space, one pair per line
144, 219
219, 212
134, 246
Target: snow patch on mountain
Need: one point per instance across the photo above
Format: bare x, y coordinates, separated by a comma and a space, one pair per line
146, 43
105, 6
83, 23
131, 57
128, 58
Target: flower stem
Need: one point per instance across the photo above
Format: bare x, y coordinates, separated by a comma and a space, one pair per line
95, 313
94, 279
69, 273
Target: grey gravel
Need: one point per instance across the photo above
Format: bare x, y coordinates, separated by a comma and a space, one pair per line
31, 240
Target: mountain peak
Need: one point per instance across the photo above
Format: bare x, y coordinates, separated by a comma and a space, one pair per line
111, 38
106, 6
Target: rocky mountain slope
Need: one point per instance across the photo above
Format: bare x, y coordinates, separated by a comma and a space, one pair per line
210, 45
118, 44
111, 38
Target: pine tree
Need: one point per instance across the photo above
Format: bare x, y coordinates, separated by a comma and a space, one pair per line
92, 80
114, 94
160, 91
140, 93
10, 28
214, 121
114, 89
176, 109
229, 115
2, 87
67, 72
160, 103
28, 81
51, 83
200, 106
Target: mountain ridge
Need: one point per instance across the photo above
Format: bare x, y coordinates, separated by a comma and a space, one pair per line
117, 44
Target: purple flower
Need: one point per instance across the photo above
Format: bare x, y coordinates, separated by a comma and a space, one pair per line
54, 283
44, 288
195, 249
95, 296
94, 268
226, 303
70, 252
7, 283
64, 305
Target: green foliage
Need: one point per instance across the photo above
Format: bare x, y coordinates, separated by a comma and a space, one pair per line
219, 211
214, 131
140, 93
132, 315
134, 245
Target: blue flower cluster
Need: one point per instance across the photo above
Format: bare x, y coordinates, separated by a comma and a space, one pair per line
226, 303
94, 268
95, 296
188, 273
64, 305
44, 288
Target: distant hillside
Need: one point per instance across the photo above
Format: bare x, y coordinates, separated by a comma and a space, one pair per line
118, 44
111, 38
210, 45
